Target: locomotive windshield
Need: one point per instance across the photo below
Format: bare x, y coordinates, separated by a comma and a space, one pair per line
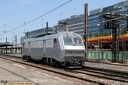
77, 41
72, 41
68, 41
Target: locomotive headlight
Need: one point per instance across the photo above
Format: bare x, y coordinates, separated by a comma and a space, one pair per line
81, 52
68, 52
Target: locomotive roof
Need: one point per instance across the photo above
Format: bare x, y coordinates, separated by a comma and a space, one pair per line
51, 36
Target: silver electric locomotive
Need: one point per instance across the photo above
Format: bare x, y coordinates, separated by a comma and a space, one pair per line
64, 48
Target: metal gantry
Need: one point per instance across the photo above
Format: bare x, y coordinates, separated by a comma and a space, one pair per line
112, 22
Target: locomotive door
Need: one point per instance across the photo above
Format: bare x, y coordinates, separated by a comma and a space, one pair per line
44, 47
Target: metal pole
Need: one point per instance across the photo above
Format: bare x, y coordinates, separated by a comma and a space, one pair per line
16, 43
27, 34
42, 23
46, 28
6, 45
85, 28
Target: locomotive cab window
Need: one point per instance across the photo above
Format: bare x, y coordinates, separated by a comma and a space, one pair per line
77, 41
68, 41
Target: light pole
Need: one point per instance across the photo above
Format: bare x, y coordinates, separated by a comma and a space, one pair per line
42, 23
98, 35
4, 28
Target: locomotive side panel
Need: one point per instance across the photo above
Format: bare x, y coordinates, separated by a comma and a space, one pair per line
25, 49
53, 49
48, 48
36, 50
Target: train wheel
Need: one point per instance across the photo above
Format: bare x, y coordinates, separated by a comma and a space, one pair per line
51, 61
28, 59
44, 60
56, 63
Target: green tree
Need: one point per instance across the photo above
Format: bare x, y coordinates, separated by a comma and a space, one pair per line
106, 32
96, 34
124, 31
90, 35
100, 34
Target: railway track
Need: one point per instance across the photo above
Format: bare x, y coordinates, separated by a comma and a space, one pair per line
84, 75
118, 75
107, 75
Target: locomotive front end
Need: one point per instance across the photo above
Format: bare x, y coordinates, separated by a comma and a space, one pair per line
74, 59
74, 51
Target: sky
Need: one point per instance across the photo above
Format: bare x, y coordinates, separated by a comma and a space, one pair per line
16, 13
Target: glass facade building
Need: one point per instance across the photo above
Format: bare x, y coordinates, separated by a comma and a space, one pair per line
95, 20
36, 33
75, 24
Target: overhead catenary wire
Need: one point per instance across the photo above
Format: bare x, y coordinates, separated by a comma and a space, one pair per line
2, 34
37, 17
92, 24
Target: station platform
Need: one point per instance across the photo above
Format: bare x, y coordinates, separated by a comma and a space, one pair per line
109, 66
13, 73
14, 55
